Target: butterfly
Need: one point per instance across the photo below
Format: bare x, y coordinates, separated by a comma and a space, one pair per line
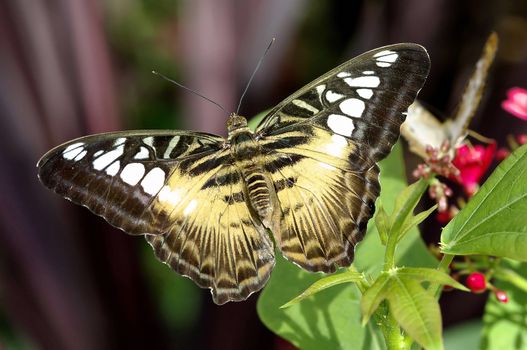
308, 174
422, 128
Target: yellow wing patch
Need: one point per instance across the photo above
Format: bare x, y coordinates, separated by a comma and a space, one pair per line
212, 236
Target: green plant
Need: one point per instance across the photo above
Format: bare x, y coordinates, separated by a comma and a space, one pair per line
388, 298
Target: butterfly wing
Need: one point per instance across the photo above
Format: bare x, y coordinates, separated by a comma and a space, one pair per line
178, 188
457, 126
214, 238
421, 128
323, 143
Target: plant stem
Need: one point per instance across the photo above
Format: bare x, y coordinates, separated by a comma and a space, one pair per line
391, 331
444, 264
512, 277
389, 255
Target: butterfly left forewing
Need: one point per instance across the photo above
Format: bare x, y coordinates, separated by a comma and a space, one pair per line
118, 175
323, 143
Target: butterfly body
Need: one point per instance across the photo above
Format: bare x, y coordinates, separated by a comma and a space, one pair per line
208, 205
248, 160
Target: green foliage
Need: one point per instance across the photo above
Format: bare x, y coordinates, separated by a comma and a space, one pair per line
414, 308
327, 282
505, 325
464, 336
493, 222
178, 303
382, 223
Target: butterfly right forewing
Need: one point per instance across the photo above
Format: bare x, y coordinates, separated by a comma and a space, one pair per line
323, 143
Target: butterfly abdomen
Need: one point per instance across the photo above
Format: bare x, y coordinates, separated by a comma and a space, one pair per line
249, 160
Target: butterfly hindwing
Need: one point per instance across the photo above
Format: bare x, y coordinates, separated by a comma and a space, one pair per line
325, 206
331, 134
214, 238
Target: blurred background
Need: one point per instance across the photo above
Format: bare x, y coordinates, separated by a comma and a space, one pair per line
69, 68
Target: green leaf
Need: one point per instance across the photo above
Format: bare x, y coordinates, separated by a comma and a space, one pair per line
253, 123
493, 222
328, 320
332, 320
505, 325
464, 336
415, 220
423, 274
416, 311
374, 296
326, 282
411, 250
382, 223
405, 204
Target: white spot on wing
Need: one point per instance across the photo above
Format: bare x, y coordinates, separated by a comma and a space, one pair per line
167, 195
343, 74
368, 72
305, 106
72, 150
336, 146
149, 140
383, 53
365, 93
98, 153
72, 154
320, 89
326, 166
132, 173
108, 158
190, 207
113, 169
363, 82
353, 107
383, 64
119, 141
340, 124
333, 96
153, 181
80, 156
389, 58
173, 142
142, 154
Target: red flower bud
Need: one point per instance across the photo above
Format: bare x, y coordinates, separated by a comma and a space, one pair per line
501, 296
476, 282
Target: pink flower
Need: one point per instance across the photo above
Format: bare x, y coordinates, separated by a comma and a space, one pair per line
516, 102
473, 162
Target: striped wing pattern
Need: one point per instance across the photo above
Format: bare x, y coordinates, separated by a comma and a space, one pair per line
181, 190
330, 135
205, 204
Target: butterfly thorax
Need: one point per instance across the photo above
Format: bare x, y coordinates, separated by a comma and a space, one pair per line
249, 160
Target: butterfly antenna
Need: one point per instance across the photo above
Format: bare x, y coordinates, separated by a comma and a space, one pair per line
190, 90
252, 75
